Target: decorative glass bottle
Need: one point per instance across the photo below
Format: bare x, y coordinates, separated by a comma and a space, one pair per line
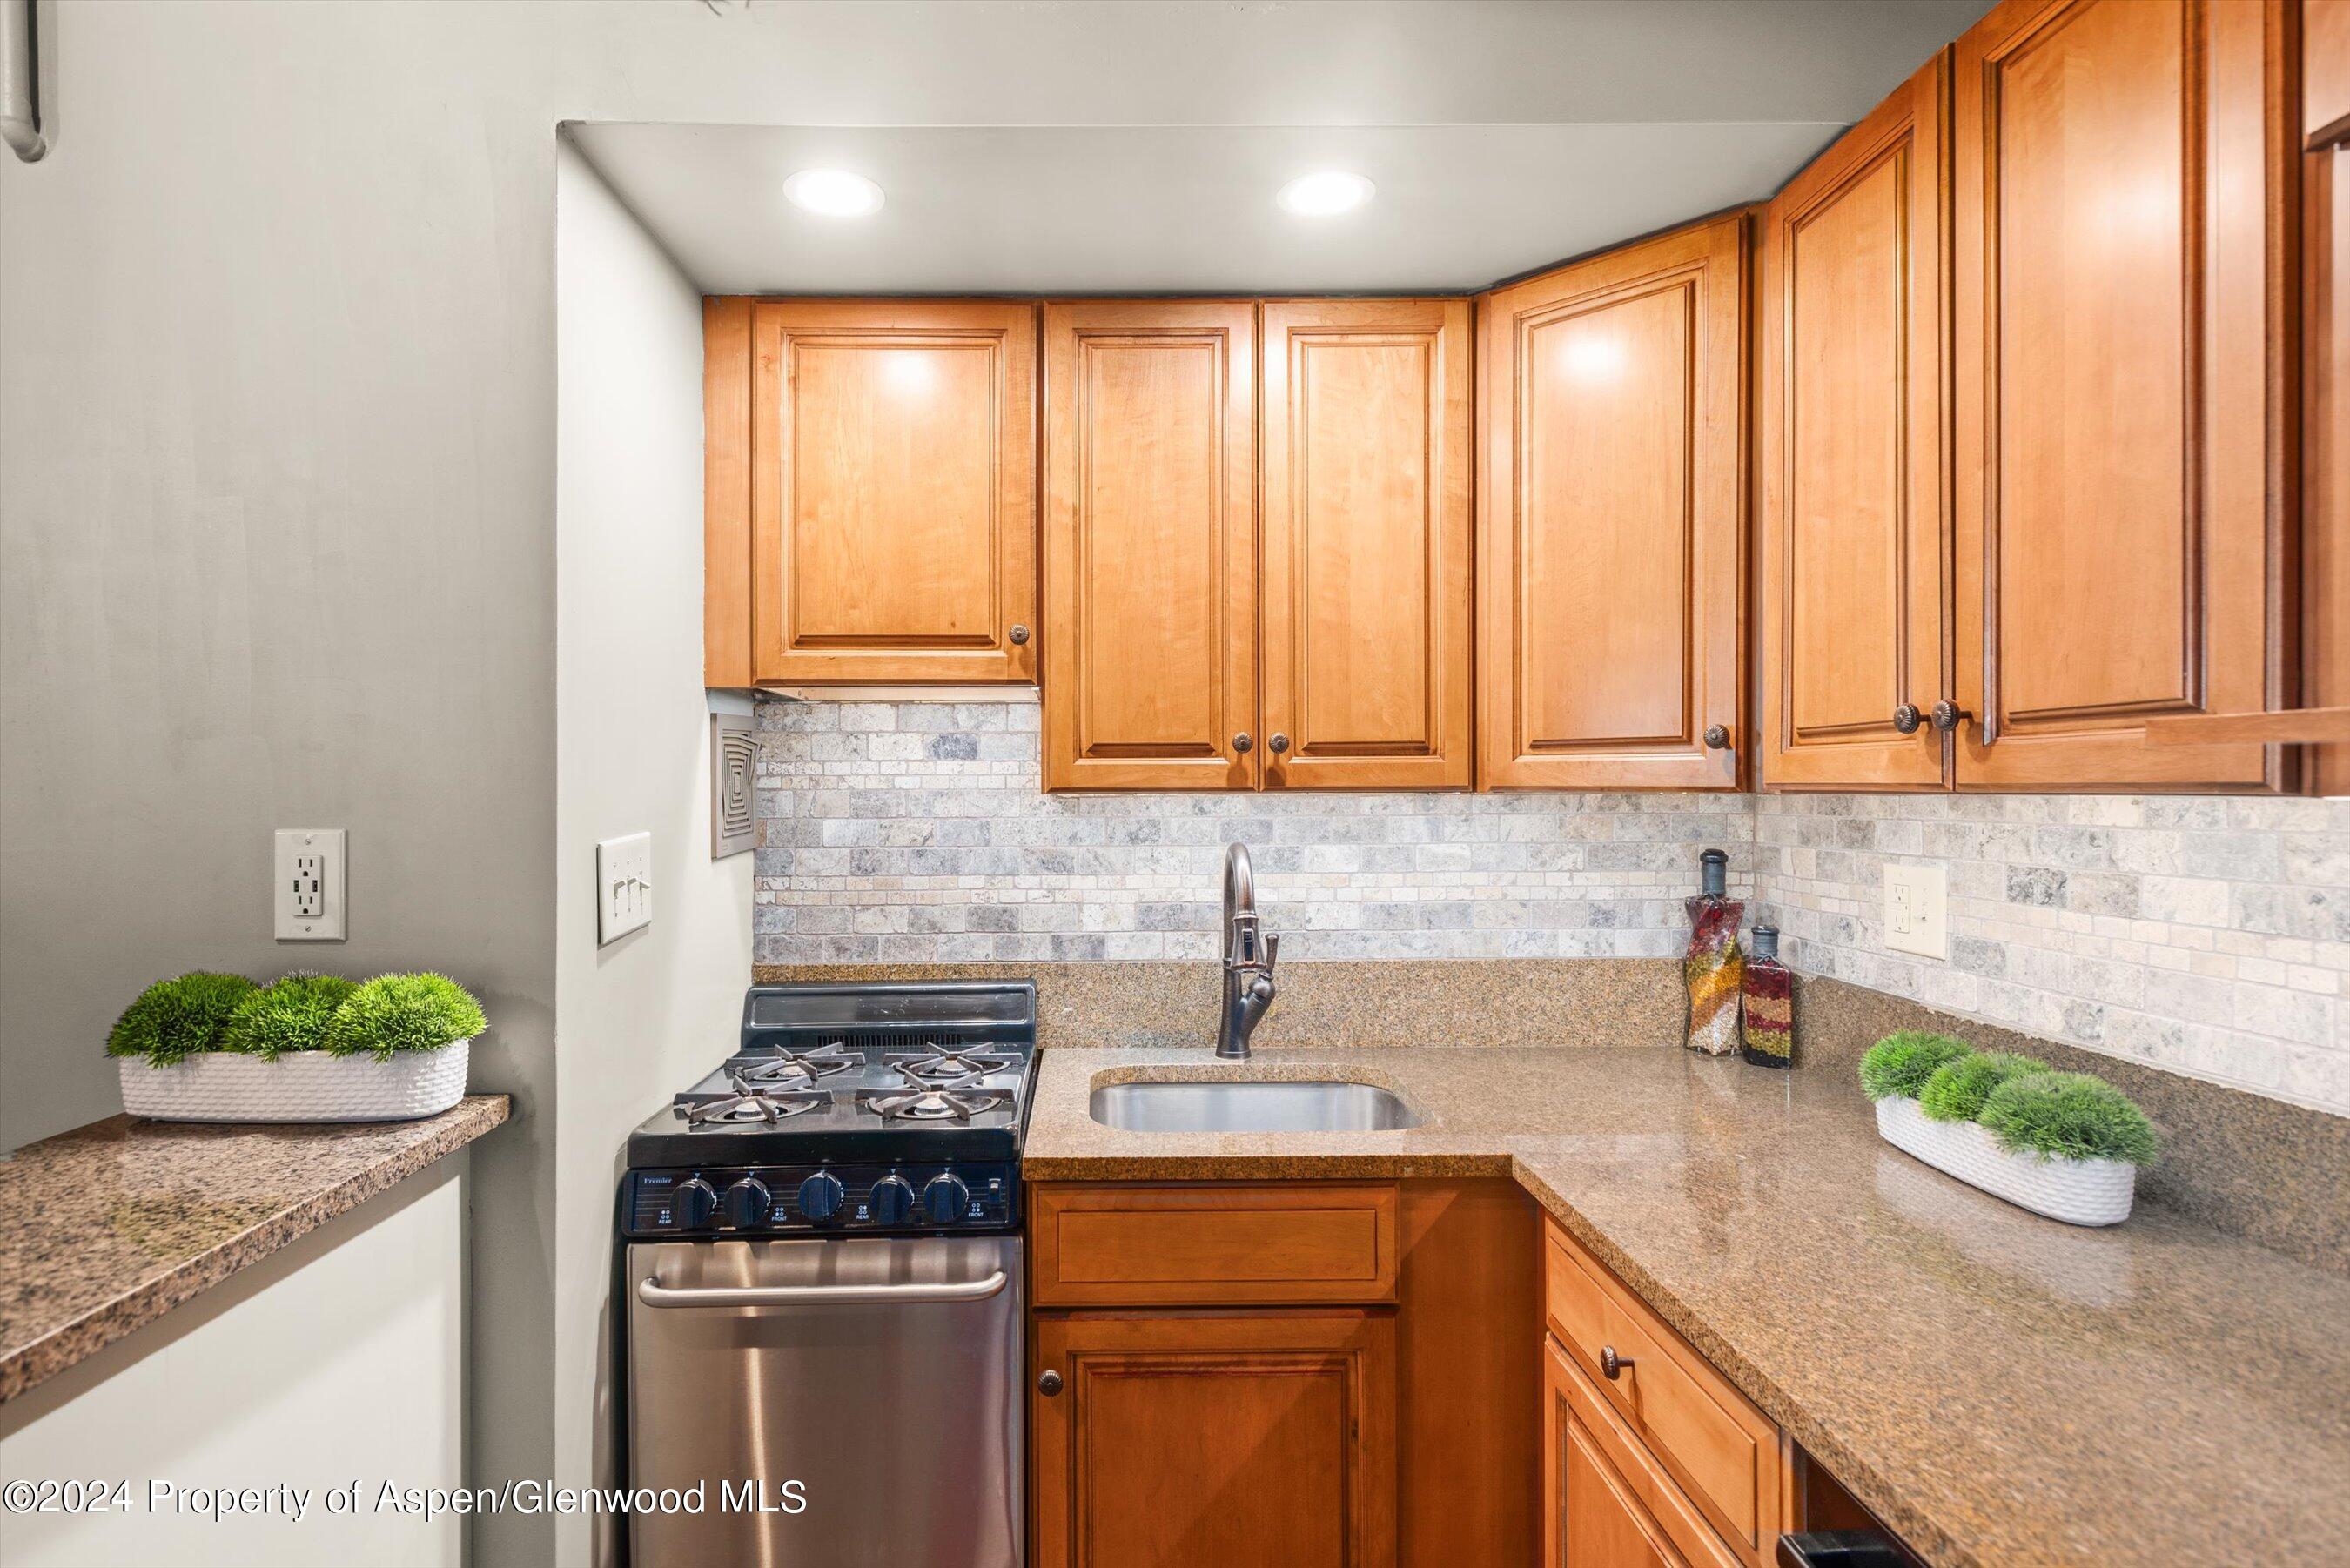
1713, 967
1769, 989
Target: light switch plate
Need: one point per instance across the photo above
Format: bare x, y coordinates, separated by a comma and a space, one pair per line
309, 870
1915, 919
624, 886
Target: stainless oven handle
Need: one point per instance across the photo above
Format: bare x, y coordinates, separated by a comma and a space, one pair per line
653, 1293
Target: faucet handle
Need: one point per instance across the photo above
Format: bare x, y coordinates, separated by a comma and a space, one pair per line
1271, 951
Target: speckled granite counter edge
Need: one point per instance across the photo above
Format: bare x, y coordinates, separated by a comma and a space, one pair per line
28, 1366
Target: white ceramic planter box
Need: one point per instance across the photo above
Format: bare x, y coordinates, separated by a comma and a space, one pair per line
2077, 1191
299, 1087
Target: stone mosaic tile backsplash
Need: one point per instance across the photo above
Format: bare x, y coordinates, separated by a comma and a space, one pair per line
2204, 934
2208, 936
917, 833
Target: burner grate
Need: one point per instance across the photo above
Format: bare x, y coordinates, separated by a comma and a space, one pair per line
958, 1103
944, 1067
754, 1105
796, 1069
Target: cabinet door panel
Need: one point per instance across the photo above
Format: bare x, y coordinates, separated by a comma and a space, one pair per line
1366, 543
1156, 1449
892, 490
1855, 517
1150, 545
2118, 337
1609, 523
1590, 1517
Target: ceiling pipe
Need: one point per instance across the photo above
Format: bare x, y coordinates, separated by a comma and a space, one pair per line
22, 123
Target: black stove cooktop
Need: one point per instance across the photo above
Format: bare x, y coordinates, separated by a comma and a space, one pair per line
838, 1088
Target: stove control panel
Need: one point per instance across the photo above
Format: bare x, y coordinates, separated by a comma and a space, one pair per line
819, 1199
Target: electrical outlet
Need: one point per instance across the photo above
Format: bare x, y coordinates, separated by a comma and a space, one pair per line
1915, 919
312, 899
624, 886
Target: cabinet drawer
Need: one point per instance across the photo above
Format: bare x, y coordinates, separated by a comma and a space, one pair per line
1181, 1246
1706, 1434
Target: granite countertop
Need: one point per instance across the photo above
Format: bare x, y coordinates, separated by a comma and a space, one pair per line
105, 1229
1999, 1389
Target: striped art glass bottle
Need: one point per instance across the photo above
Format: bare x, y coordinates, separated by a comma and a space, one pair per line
1770, 993
1713, 968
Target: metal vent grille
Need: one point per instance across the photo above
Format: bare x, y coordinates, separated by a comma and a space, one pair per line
734, 757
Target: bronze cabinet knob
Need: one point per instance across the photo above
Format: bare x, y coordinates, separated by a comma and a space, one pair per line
1048, 1383
1019, 634
1717, 737
1279, 743
1905, 718
1949, 716
1611, 1364
1243, 742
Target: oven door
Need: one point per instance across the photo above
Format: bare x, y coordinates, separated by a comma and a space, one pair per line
883, 1375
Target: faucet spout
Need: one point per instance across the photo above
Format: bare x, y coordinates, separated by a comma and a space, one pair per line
1249, 955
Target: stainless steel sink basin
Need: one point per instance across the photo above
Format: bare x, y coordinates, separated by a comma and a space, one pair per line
1252, 1106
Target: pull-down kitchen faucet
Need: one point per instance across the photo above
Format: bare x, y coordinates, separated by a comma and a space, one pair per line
1248, 958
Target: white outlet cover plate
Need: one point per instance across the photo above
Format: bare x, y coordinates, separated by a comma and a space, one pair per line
1917, 919
309, 871
624, 886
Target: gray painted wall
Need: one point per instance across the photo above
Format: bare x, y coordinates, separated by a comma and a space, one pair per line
639, 1018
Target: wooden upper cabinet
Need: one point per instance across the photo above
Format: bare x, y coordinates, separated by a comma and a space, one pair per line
2121, 337
1365, 463
1856, 595
1610, 518
1150, 545
871, 509
1215, 1440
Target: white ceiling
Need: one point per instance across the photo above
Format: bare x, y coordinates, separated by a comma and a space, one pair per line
1009, 208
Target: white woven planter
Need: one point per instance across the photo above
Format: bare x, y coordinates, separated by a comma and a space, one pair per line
299, 1087
2077, 1191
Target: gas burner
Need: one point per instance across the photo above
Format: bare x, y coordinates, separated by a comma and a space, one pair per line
798, 1069
753, 1106
959, 1104
946, 1068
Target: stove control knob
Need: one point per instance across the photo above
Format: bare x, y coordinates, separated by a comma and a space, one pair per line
893, 1200
945, 1199
695, 1203
820, 1198
747, 1203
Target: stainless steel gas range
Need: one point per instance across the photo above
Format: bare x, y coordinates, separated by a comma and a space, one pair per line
823, 1285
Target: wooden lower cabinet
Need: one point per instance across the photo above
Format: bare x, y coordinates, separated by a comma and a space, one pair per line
1649, 1455
1298, 1373
1591, 1517
1245, 1439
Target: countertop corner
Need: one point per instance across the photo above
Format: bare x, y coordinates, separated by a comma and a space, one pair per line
106, 1229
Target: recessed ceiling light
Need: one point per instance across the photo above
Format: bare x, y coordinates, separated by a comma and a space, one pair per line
1325, 194
835, 192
